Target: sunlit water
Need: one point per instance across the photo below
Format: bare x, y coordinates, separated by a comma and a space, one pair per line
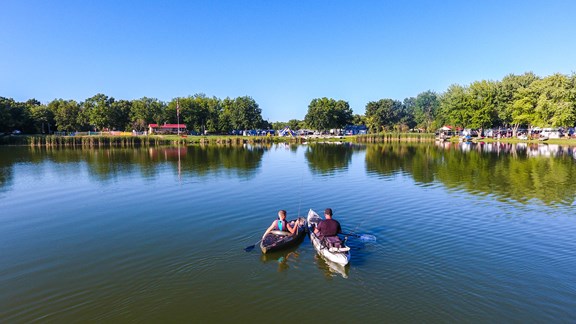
465, 233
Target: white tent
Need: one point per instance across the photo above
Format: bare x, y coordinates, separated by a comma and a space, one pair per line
286, 132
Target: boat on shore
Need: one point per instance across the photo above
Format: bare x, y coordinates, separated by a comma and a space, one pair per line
339, 255
279, 240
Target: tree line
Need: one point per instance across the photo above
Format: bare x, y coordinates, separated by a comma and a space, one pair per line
100, 112
525, 100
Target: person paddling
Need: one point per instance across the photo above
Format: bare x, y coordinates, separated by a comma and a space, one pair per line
328, 227
281, 224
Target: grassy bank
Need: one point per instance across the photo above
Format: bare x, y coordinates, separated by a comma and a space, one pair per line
395, 137
156, 140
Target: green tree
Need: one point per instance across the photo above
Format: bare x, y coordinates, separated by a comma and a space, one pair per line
405, 117
240, 114
483, 102
510, 100
6, 123
66, 114
214, 111
98, 109
246, 114
145, 111
43, 118
325, 113
383, 114
556, 106
16, 115
195, 111
426, 106
358, 119
225, 118
455, 106
294, 124
120, 114
279, 125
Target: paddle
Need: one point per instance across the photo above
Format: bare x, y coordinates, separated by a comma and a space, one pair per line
362, 237
251, 247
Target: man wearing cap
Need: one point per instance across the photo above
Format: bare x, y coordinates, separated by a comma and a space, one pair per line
327, 227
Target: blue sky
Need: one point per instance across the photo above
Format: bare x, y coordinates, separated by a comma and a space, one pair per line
281, 53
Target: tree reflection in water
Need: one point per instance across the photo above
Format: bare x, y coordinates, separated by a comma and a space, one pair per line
519, 172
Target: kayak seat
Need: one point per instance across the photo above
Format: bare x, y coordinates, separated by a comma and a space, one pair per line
335, 244
332, 242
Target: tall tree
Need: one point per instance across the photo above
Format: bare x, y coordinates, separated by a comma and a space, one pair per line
556, 105
246, 114
6, 123
358, 119
195, 111
99, 111
241, 113
145, 111
455, 106
326, 113
66, 114
43, 118
512, 91
120, 114
426, 106
383, 114
483, 102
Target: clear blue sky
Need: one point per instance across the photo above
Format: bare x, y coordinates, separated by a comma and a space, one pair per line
281, 53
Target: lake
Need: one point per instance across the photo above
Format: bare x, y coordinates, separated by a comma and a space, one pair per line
465, 233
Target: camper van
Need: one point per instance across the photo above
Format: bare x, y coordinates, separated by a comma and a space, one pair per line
550, 133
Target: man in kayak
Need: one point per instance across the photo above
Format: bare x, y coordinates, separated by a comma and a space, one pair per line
281, 224
327, 227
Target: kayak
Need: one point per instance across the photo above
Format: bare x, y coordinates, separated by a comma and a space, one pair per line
339, 255
278, 240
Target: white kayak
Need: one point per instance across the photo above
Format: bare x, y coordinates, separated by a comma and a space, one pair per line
339, 255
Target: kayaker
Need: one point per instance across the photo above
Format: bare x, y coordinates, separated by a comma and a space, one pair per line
327, 227
281, 224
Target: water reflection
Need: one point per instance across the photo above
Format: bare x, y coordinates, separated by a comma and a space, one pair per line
110, 163
283, 258
331, 269
518, 172
7, 161
328, 158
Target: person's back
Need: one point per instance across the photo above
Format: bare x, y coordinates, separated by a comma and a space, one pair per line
328, 227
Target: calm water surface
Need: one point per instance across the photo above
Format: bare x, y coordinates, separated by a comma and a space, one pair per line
466, 233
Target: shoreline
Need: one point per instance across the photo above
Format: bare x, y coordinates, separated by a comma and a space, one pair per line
161, 140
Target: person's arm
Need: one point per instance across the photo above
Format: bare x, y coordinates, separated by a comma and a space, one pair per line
269, 229
292, 228
316, 230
